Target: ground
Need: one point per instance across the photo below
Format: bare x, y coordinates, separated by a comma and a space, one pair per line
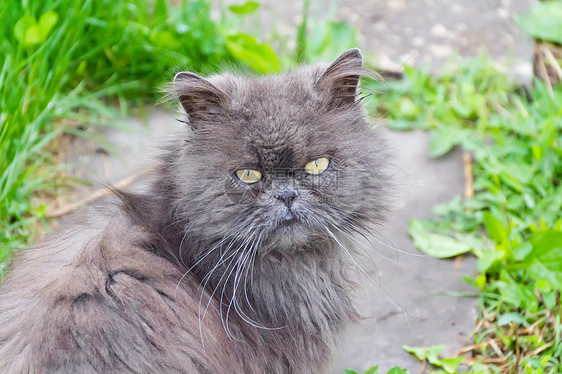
407, 301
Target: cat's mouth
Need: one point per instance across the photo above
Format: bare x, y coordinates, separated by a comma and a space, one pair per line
289, 218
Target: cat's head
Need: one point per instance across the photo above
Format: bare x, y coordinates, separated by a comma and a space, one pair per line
280, 161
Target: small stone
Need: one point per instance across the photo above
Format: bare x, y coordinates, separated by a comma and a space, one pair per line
380, 26
418, 41
503, 13
439, 30
461, 27
396, 4
440, 50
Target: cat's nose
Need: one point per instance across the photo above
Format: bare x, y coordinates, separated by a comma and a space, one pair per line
288, 197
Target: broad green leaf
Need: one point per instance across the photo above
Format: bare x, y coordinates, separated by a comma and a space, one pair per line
327, 40
451, 364
425, 353
544, 261
32, 35
435, 245
21, 27
544, 21
247, 8
443, 139
495, 228
431, 354
47, 21
165, 39
488, 258
259, 57
397, 370
506, 319
349, 371
372, 370
522, 251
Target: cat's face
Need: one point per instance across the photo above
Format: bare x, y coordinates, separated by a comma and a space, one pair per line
282, 161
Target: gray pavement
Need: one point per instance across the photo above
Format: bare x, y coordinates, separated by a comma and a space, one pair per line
422, 32
404, 305
402, 302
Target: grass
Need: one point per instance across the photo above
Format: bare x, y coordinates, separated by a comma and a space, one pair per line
511, 218
66, 65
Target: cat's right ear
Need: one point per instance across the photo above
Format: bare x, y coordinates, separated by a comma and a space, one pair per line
198, 96
339, 82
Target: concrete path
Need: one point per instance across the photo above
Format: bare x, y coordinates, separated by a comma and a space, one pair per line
402, 303
405, 301
422, 32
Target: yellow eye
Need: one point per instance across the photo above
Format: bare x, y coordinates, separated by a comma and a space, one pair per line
248, 175
317, 166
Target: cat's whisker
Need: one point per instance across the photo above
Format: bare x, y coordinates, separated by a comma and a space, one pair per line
202, 317
236, 267
199, 261
208, 276
180, 249
344, 249
250, 264
369, 229
360, 247
392, 299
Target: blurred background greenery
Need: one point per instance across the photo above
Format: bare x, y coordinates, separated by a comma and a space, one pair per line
66, 66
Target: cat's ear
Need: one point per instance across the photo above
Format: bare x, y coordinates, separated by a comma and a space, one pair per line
198, 96
338, 83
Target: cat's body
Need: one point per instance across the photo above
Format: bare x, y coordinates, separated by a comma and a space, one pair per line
205, 273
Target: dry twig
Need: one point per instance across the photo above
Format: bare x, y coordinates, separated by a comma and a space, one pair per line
97, 194
468, 176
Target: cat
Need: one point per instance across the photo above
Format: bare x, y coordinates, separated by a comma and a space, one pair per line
236, 259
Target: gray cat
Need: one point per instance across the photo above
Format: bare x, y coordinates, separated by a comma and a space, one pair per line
235, 261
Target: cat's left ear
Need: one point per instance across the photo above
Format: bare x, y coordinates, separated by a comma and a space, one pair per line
198, 96
338, 84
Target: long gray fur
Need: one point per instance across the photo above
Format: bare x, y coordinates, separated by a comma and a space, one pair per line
202, 274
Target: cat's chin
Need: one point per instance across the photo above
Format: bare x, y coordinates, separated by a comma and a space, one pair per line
292, 237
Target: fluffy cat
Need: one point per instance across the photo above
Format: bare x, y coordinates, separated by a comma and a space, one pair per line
236, 259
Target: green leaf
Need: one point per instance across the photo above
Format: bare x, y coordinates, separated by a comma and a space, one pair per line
443, 139
544, 21
259, 57
247, 8
435, 245
450, 364
329, 39
47, 21
425, 353
32, 35
165, 39
431, 354
21, 27
506, 319
397, 370
488, 258
495, 228
372, 370
544, 262
522, 251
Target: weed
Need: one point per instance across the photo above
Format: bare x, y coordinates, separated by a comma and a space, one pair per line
513, 223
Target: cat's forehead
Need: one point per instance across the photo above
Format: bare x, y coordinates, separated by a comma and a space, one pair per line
278, 119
